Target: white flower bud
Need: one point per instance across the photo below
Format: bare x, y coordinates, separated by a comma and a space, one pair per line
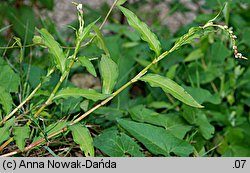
79, 7
234, 36
238, 55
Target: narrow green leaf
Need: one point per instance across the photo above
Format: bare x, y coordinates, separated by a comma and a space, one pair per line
54, 49
85, 62
4, 28
156, 139
78, 92
143, 29
109, 73
173, 123
120, 2
171, 87
50, 151
81, 136
117, 145
52, 128
20, 134
217, 16
4, 131
101, 42
86, 30
5, 100
226, 11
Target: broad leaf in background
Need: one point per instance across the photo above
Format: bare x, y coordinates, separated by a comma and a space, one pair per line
171, 87
198, 118
156, 139
78, 92
173, 123
5, 100
47, 3
20, 134
194, 55
219, 52
23, 20
202, 95
110, 113
235, 141
54, 49
205, 75
109, 73
143, 29
10, 83
117, 145
101, 42
4, 131
81, 136
85, 62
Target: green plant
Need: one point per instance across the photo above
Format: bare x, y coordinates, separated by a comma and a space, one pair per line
160, 133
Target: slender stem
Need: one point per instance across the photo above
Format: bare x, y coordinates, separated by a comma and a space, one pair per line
34, 144
49, 100
6, 143
104, 21
78, 46
135, 79
108, 14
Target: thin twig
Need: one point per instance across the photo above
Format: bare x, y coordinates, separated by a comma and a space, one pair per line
57, 86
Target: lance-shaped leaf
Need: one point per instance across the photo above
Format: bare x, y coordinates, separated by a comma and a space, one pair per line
85, 62
120, 2
4, 131
156, 139
78, 92
171, 87
109, 73
54, 49
143, 29
81, 136
86, 31
20, 134
5, 100
101, 42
